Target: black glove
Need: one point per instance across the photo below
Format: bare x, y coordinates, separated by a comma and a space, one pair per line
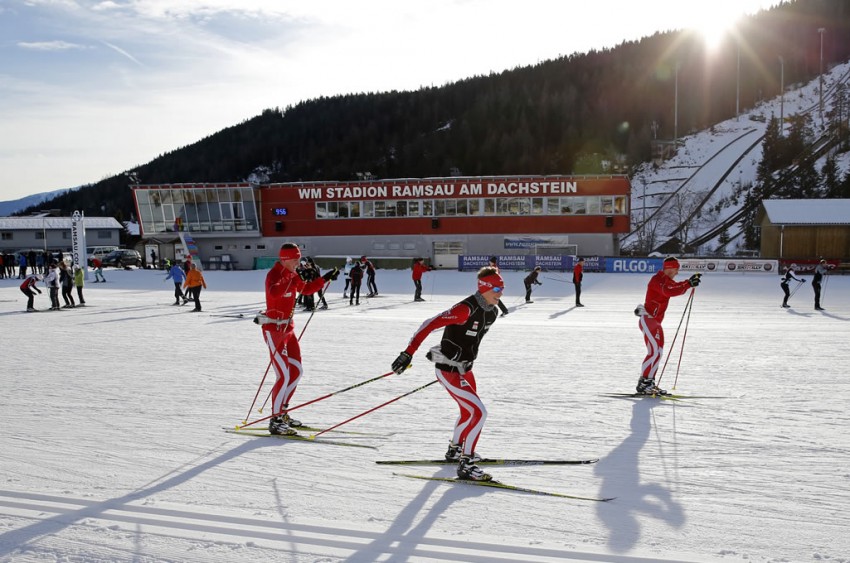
803, 280
402, 362
331, 275
694, 280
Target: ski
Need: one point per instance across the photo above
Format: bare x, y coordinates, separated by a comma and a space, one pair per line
298, 437
666, 397
503, 462
311, 429
502, 486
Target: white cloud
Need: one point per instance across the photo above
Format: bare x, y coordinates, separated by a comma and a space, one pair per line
50, 45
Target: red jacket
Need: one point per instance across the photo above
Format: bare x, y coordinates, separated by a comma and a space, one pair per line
418, 269
659, 290
282, 288
577, 272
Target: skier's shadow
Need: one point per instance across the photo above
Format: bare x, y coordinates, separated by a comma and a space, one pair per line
16, 539
408, 532
620, 473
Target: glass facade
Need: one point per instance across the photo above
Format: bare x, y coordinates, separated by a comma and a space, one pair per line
477, 207
199, 210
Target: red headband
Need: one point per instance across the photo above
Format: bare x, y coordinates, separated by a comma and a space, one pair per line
289, 253
487, 283
671, 263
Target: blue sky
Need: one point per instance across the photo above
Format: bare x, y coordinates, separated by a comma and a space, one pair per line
92, 88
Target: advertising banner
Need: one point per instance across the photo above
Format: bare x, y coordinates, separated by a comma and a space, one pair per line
516, 262
633, 265
78, 241
533, 242
806, 266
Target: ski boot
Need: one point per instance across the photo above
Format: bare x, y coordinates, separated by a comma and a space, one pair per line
647, 386
279, 427
468, 471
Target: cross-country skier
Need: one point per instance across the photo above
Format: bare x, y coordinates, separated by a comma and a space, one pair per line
661, 287
465, 324
578, 276
820, 272
283, 284
27, 289
419, 268
178, 276
531, 279
786, 279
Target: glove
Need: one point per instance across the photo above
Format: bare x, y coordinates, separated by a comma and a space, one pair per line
402, 362
694, 280
331, 275
803, 280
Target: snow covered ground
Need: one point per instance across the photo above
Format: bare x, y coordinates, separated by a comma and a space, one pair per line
113, 449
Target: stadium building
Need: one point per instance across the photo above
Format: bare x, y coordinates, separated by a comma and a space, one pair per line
442, 219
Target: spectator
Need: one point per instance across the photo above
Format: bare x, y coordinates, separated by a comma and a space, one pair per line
79, 281
194, 282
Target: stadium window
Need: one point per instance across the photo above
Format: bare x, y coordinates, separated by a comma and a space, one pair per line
489, 206
593, 205
354, 209
321, 210
401, 209
462, 207
343, 209
502, 207
553, 206
607, 205
368, 209
620, 205
579, 205
451, 207
428, 208
537, 206
474, 207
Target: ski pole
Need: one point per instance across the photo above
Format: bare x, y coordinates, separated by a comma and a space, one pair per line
799, 285
313, 436
556, 279
316, 400
675, 336
684, 339
323, 397
257, 394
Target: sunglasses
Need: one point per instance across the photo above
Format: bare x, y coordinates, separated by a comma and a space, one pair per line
498, 289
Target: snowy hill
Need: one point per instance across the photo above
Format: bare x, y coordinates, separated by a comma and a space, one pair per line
13, 206
711, 166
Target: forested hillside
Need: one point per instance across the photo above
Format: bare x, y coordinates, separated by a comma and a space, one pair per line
560, 116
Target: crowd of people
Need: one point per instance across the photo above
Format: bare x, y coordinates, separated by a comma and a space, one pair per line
19, 264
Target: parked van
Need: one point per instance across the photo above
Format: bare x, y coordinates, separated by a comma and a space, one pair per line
98, 252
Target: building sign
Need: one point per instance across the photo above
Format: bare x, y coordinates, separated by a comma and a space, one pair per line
442, 188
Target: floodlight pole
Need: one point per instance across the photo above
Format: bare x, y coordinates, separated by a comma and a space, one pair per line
821, 31
781, 95
738, 85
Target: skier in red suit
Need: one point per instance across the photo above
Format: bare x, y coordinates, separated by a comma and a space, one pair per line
283, 285
465, 324
661, 287
419, 268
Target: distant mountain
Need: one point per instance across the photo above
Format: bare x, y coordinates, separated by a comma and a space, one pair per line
13, 206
